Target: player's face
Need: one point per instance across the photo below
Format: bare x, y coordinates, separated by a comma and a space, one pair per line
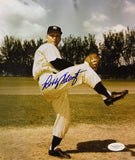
53, 38
94, 57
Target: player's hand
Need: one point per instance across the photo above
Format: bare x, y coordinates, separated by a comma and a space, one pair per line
93, 61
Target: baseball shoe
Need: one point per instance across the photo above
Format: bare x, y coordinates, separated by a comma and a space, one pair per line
115, 96
59, 153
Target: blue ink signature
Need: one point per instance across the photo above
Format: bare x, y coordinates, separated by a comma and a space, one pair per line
63, 79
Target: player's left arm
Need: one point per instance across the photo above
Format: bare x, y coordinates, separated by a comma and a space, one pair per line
61, 64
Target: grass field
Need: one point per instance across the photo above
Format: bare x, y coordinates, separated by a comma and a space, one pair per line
25, 110
26, 123
34, 110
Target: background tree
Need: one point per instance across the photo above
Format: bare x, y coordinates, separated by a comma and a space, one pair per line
75, 49
129, 53
129, 47
17, 56
111, 51
117, 53
11, 52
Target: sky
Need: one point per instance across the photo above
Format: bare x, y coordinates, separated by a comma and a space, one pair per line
29, 19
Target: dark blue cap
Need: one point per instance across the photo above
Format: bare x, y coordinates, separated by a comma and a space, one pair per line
54, 29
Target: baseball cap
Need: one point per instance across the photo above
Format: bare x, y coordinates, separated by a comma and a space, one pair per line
54, 28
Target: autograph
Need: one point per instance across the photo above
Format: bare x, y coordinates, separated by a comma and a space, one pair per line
63, 79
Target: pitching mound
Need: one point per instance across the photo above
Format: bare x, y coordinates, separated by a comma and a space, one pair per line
82, 142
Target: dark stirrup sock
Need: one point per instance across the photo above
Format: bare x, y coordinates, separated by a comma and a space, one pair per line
99, 88
55, 142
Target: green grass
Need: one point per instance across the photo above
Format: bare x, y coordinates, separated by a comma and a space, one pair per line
91, 109
120, 82
34, 110
17, 81
26, 110
28, 81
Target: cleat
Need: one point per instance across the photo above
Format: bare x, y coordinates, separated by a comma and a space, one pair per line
115, 96
59, 153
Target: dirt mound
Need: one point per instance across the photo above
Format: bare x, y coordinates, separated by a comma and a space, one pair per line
82, 142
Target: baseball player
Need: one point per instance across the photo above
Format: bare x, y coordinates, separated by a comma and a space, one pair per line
55, 76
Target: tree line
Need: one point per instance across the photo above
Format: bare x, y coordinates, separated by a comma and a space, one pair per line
117, 53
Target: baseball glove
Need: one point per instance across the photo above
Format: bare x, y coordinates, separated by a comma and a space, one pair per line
93, 61
115, 96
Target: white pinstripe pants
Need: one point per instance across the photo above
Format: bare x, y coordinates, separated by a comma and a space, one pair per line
54, 88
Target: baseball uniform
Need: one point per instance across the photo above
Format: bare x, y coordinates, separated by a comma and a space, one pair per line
55, 76
54, 84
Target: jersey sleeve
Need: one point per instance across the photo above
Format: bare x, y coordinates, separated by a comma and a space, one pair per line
61, 64
43, 56
52, 53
